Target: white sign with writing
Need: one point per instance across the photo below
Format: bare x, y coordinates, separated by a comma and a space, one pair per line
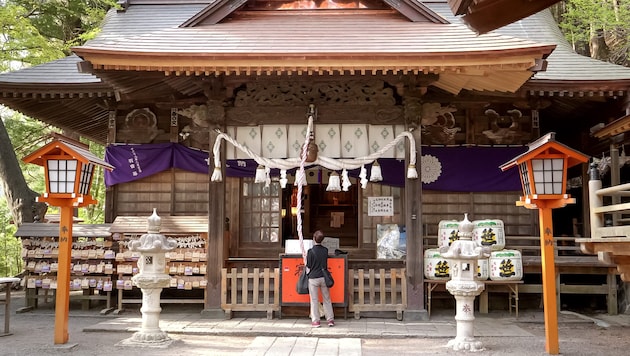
381, 206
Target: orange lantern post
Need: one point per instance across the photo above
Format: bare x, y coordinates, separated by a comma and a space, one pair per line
543, 172
69, 167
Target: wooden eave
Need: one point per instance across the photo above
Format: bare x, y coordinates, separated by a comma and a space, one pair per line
486, 15
504, 70
415, 11
169, 224
219, 10
214, 13
578, 88
619, 126
54, 91
27, 230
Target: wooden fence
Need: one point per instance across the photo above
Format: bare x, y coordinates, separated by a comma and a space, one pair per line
377, 291
250, 290
256, 289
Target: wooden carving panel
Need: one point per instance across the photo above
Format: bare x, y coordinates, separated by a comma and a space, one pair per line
372, 92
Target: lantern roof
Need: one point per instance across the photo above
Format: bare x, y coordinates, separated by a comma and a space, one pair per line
62, 145
544, 146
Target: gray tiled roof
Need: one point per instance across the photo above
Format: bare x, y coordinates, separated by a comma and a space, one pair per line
147, 28
60, 71
155, 29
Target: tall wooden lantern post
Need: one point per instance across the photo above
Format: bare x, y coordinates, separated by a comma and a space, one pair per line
543, 171
68, 167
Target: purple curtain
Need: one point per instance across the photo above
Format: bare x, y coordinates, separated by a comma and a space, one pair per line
462, 169
470, 169
133, 162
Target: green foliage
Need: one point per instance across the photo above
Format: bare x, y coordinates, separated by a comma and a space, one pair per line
582, 20
38, 31
95, 214
21, 128
33, 32
10, 247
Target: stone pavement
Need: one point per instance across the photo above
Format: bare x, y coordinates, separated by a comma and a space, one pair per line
441, 326
94, 334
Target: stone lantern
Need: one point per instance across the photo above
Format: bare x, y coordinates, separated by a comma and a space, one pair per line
68, 171
151, 279
543, 171
463, 255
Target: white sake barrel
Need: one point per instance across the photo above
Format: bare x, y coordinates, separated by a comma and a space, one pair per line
447, 232
489, 233
483, 269
435, 266
506, 265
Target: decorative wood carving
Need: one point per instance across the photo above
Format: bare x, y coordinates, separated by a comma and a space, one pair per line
140, 127
504, 129
325, 114
413, 111
438, 124
303, 93
203, 118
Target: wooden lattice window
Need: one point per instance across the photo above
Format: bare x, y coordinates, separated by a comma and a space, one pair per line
260, 213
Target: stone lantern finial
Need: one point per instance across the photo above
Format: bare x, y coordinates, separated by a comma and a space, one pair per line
154, 222
465, 228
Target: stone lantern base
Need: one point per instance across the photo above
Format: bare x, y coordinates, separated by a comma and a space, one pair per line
158, 339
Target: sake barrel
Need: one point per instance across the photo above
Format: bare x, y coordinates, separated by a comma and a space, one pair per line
483, 269
435, 266
506, 265
447, 232
489, 233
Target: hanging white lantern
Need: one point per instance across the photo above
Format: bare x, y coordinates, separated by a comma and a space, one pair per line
363, 176
375, 172
260, 174
345, 181
334, 184
283, 178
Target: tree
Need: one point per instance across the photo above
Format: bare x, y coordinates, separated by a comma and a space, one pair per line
10, 258
597, 28
20, 198
34, 32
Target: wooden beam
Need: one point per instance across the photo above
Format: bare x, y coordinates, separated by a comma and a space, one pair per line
487, 15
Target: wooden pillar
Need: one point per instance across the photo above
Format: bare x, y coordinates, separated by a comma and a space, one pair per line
62, 299
413, 222
549, 279
216, 220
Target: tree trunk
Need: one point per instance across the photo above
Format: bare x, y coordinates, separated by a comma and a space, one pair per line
599, 49
20, 198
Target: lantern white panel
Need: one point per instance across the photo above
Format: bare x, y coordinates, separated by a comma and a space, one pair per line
354, 141
274, 141
328, 139
380, 136
248, 136
295, 134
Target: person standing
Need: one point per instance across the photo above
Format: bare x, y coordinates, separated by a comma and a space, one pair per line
316, 261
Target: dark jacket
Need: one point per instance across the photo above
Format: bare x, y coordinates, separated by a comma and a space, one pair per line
316, 259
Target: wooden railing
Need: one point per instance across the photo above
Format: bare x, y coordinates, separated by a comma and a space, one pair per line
250, 289
377, 291
370, 290
610, 241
